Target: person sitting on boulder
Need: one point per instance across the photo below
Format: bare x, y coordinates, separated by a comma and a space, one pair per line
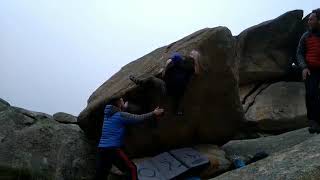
111, 142
308, 57
176, 75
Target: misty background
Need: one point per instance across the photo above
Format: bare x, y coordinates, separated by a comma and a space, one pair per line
54, 54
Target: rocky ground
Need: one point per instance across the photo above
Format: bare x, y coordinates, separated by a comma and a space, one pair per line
35, 145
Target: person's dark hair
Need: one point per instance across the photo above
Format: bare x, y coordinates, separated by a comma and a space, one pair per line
114, 101
317, 12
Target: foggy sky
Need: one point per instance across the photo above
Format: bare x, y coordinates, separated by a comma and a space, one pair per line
54, 54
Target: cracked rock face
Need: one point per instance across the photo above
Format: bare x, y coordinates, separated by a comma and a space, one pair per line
250, 93
278, 107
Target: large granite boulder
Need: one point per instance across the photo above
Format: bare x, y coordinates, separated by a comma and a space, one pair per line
279, 107
246, 149
267, 50
34, 146
211, 103
298, 162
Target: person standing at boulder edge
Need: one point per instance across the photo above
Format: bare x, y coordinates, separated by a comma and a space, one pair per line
308, 57
111, 142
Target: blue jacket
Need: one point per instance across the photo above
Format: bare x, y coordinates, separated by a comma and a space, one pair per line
114, 126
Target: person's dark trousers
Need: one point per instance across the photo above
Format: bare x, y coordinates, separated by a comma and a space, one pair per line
313, 97
176, 92
106, 157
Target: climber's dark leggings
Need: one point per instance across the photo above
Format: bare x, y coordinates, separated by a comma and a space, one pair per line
313, 95
106, 157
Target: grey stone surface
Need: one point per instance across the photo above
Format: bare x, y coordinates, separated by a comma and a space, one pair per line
33, 143
32, 114
279, 108
271, 144
65, 118
299, 162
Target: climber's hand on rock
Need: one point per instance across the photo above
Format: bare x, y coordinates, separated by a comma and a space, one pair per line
158, 111
126, 104
305, 73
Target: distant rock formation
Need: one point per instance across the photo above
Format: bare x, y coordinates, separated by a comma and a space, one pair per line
35, 146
